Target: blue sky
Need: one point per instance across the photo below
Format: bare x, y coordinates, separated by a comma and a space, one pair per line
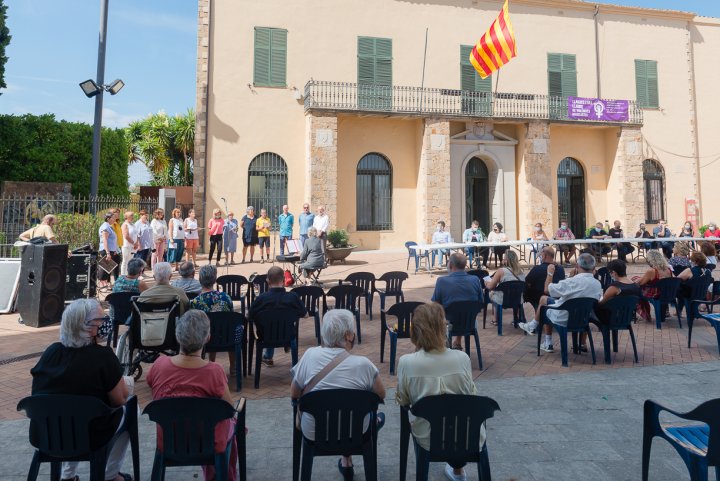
151, 46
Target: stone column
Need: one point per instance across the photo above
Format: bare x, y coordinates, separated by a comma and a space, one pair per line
433, 185
201, 111
321, 163
539, 179
629, 159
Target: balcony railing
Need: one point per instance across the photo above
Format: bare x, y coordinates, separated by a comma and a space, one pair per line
380, 99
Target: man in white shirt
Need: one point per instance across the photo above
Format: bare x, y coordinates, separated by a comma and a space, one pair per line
440, 236
582, 284
321, 222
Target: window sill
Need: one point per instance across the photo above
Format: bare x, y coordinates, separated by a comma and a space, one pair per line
270, 86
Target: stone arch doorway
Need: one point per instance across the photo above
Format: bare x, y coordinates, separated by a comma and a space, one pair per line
571, 195
477, 194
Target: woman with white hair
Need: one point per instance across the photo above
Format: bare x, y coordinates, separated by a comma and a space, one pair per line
230, 236
312, 256
188, 374
77, 365
351, 372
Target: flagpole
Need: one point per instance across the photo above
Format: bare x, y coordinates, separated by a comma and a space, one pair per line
422, 81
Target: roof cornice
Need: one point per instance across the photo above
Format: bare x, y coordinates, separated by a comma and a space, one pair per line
608, 8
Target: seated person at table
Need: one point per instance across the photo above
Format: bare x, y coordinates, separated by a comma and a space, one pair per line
276, 297
457, 286
511, 272
598, 249
564, 233
642, 233
708, 248
188, 374
353, 372
698, 268
77, 365
187, 281
131, 282
432, 370
475, 234
582, 284
662, 232
312, 256
162, 291
686, 230
497, 235
440, 236
623, 248
681, 251
535, 280
621, 286
658, 269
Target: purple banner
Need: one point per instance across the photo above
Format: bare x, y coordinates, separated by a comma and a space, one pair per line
580, 108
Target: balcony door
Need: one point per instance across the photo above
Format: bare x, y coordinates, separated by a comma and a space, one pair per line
571, 195
374, 73
476, 95
477, 194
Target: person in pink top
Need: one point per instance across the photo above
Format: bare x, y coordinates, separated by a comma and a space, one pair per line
188, 374
215, 229
564, 233
713, 231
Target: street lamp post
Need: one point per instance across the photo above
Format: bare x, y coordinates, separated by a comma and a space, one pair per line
100, 79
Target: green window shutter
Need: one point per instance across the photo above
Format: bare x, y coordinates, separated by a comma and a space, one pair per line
641, 82
278, 57
652, 84
383, 61
569, 76
261, 70
366, 60
469, 78
555, 74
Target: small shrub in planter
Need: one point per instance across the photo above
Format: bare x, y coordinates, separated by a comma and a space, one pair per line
702, 229
338, 238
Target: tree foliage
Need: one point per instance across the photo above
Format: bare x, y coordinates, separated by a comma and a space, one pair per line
165, 145
4, 42
41, 149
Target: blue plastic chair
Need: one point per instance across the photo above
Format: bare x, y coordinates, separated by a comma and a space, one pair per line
339, 416
579, 311
512, 299
59, 432
698, 295
603, 275
667, 293
698, 442
714, 320
455, 424
462, 317
393, 287
403, 312
621, 312
188, 428
414, 254
310, 297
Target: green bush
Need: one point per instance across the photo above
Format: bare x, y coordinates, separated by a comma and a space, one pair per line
702, 230
76, 230
338, 238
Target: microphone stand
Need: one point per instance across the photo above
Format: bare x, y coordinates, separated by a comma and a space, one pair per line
227, 266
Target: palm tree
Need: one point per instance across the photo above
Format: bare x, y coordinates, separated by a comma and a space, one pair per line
183, 134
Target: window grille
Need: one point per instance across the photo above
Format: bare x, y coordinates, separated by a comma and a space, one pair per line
654, 181
268, 185
374, 193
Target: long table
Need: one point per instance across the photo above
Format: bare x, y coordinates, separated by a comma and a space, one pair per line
539, 244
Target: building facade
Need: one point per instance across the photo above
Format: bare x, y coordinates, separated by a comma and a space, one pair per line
346, 104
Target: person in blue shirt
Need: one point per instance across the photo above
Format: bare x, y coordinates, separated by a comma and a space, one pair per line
306, 221
457, 286
662, 232
440, 236
286, 221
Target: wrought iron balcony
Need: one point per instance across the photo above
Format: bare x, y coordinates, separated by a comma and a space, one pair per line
416, 101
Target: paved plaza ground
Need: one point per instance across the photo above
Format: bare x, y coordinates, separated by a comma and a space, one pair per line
581, 422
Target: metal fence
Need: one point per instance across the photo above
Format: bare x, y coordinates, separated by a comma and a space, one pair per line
352, 97
19, 213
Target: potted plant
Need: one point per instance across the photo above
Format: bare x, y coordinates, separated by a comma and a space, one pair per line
338, 248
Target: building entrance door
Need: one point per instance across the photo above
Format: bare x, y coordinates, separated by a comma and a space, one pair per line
477, 194
571, 195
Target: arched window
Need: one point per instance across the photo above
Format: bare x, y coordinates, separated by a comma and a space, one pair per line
267, 184
571, 195
654, 181
374, 193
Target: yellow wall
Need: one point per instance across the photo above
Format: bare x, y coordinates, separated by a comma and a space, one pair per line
397, 140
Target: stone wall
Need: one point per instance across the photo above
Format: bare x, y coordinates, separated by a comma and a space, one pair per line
629, 159
433, 188
321, 163
201, 110
539, 178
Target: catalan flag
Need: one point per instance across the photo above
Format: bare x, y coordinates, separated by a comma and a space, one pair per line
496, 47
